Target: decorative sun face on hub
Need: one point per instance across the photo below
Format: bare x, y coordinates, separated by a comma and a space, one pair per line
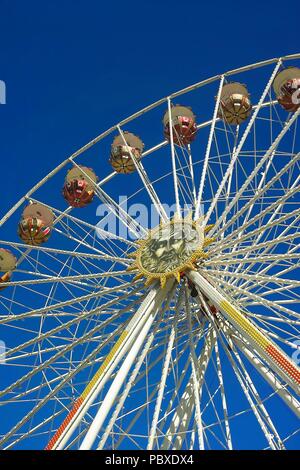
170, 249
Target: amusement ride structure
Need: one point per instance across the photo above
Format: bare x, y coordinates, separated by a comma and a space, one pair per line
178, 334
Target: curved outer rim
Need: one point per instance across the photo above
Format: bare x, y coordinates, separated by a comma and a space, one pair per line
134, 116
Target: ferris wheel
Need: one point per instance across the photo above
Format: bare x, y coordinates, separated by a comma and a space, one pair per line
150, 283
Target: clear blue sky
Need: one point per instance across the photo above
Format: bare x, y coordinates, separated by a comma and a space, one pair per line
74, 68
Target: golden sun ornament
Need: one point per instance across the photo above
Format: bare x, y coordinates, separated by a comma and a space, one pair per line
170, 249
